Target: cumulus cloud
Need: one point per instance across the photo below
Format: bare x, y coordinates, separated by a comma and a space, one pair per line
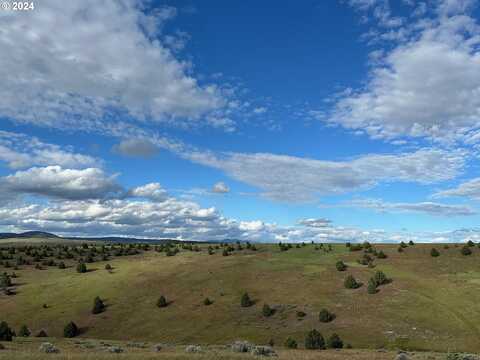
429, 208
469, 189
294, 179
428, 85
220, 188
136, 148
152, 191
22, 151
74, 64
56, 182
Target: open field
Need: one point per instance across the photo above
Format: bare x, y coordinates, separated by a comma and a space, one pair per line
431, 303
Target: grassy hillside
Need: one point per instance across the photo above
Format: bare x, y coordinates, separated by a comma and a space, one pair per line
431, 304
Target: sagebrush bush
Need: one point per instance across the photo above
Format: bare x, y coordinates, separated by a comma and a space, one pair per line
372, 286
267, 310
466, 251
434, 252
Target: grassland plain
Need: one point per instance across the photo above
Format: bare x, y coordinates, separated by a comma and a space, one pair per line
431, 304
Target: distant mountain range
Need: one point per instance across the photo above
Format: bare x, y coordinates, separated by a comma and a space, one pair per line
116, 239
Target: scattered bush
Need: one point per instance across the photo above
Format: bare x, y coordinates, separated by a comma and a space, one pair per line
81, 268
70, 330
334, 342
291, 343
380, 278
470, 243
207, 301
314, 340
115, 349
267, 310
340, 265
466, 251
245, 301
400, 249
24, 331
6, 333
61, 265
162, 302
98, 306
325, 316
434, 252
372, 286
351, 283
411, 243
381, 255
41, 333
301, 314
108, 267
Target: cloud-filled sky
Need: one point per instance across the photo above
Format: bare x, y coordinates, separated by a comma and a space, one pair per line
324, 121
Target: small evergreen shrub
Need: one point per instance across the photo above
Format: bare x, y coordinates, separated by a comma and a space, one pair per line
372, 286
162, 302
6, 334
466, 251
351, 283
340, 265
245, 301
380, 278
81, 268
41, 333
381, 255
70, 330
98, 306
267, 311
334, 342
325, 316
434, 252
207, 301
291, 343
24, 331
314, 340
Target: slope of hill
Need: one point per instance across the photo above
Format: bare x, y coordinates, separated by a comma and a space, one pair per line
430, 304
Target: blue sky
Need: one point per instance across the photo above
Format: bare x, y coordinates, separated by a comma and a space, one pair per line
327, 121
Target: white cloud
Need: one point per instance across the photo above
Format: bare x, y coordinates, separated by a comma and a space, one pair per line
469, 189
428, 85
220, 188
294, 179
56, 182
152, 191
72, 64
316, 223
21, 151
427, 207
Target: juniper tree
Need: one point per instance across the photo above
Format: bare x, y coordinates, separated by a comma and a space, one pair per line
98, 306
351, 283
434, 253
24, 331
340, 265
6, 334
81, 268
466, 250
207, 301
380, 278
162, 302
267, 310
245, 301
291, 343
334, 342
381, 255
372, 286
70, 330
314, 340
325, 316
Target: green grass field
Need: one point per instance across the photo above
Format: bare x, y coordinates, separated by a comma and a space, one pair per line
432, 304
